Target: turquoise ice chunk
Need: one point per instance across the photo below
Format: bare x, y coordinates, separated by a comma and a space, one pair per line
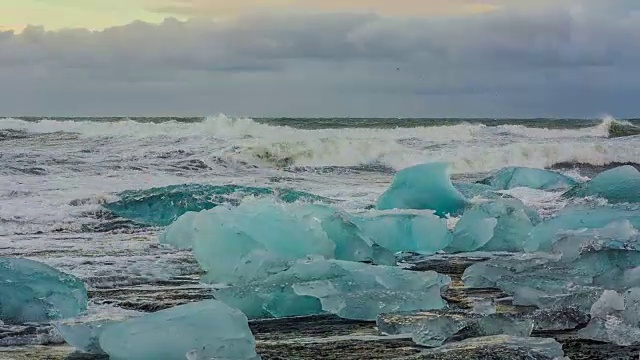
34, 292
208, 329
546, 233
162, 206
500, 225
421, 233
258, 238
615, 318
423, 187
619, 185
513, 177
348, 289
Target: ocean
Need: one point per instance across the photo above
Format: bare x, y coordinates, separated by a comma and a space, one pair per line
57, 175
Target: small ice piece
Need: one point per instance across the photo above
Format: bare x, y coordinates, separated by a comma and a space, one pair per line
437, 330
347, 289
501, 347
484, 307
500, 225
205, 330
475, 191
433, 328
618, 185
83, 332
407, 232
34, 292
513, 177
423, 187
615, 319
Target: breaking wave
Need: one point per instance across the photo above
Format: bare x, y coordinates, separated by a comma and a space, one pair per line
469, 147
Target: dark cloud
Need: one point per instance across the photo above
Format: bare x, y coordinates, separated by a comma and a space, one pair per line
573, 59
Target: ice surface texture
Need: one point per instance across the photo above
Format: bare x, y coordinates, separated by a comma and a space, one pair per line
500, 225
619, 185
206, 330
34, 292
422, 187
162, 206
419, 233
259, 238
348, 289
513, 177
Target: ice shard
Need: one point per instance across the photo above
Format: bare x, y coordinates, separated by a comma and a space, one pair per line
500, 225
424, 187
208, 330
348, 289
162, 206
513, 177
34, 292
422, 233
618, 185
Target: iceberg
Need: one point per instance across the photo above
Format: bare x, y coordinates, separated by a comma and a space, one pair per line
618, 185
615, 318
498, 347
422, 233
543, 235
34, 292
83, 332
206, 330
501, 225
162, 206
424, 187
349, 290
259, 238
513, 177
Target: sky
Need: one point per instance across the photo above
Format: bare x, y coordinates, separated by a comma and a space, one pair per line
359, 58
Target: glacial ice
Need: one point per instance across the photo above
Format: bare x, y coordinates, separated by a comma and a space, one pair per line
162, 206
619, 185
424, 187
406, 232
34, 292
500, 225
208, 330
543, 235
615, 318
585, 263
259, 238
83, 332
513, 177
350, 290
478, 191
498, 347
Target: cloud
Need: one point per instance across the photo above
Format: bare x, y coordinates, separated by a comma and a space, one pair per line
569, 59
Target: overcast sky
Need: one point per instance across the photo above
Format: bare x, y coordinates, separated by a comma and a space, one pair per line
426, 58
